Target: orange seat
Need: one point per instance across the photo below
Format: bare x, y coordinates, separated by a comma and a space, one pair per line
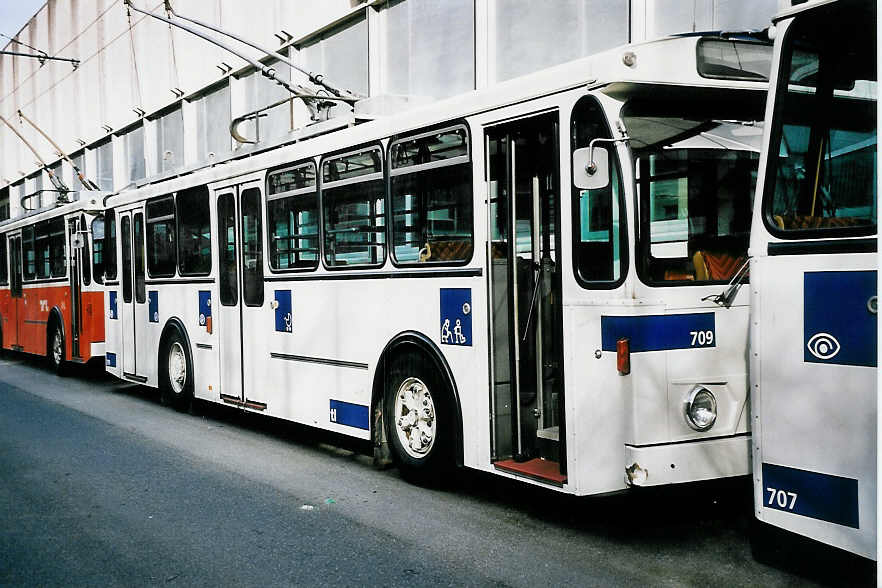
716, 266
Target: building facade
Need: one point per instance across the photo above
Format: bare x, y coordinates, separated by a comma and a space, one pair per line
148, 100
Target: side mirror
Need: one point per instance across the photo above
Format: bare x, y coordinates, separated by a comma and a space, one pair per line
588, 174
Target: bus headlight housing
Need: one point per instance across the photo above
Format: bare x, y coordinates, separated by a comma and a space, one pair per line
700, 409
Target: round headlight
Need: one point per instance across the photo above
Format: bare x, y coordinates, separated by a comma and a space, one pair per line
701, 409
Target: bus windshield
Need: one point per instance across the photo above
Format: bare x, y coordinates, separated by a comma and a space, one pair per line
695, 171
822, 160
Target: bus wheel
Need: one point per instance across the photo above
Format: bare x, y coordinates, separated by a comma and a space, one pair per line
56, 350
419, 419
176, 372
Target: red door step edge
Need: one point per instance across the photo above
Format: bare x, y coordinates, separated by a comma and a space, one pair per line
536, 469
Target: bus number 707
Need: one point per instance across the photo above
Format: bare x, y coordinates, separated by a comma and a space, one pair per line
780, 496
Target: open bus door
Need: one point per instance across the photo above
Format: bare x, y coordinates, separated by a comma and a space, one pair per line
524, 283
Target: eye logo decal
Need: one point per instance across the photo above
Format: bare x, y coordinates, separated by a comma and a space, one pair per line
823, 346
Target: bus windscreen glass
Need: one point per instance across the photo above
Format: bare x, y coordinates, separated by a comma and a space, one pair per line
696, 165
822, 160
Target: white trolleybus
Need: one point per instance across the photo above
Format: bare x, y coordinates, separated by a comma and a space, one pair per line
813, 281
525, 280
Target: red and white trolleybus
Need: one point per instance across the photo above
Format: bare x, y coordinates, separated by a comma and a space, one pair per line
52, 265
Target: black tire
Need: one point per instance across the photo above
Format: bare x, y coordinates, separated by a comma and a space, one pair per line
428, 458
176, 371
55, 349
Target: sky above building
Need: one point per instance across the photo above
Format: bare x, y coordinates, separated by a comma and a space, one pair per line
15, 13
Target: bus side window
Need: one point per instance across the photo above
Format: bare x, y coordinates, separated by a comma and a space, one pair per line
161, 251
292, 211
598, 215
29, 262
126, 258
57, 248
431, 194
4, 268
226, 232
353, 200
252, 248
109, 249
98, 257
41, 247
140, 285
194, 232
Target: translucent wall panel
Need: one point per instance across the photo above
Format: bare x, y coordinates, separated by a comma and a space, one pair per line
36, 187
429, 47
213, 123
4, 204
260, 91
744, 14
341, 55
104, 165
170, 141
535, 34
80, 160
137, 165
667, 17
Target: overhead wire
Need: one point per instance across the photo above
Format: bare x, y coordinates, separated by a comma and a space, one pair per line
134, 55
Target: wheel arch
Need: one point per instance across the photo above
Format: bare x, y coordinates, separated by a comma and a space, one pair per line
420, 343
171, 325
56, 318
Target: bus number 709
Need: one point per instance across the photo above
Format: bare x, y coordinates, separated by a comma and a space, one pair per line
702, 337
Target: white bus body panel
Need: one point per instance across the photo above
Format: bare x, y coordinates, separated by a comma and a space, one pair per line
813, 417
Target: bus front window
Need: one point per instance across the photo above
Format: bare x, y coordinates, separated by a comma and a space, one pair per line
695, 171
822, 161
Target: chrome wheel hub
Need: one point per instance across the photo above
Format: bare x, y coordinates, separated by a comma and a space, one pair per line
414, 418
177, 367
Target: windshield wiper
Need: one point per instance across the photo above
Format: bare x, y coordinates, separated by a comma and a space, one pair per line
727, 296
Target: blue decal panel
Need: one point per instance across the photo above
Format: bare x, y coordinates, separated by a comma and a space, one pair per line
838, 326
153, 306
351, 415
110, 359
205, 309
114, 312
284, 311
659, 332
456, 316
819, 496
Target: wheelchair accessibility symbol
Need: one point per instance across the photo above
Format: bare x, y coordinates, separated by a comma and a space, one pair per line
456, 316
454, 337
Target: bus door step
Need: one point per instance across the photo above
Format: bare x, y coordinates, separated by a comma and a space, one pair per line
235, 400
539, 469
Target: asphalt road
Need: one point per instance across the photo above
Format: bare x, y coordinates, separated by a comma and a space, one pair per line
101, 484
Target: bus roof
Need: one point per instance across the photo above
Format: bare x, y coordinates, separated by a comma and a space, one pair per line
658, 62
91, 201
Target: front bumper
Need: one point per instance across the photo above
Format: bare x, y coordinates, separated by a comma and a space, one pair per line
690, 461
